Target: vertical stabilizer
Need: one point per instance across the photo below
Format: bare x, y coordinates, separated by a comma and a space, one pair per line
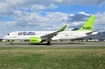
88, 26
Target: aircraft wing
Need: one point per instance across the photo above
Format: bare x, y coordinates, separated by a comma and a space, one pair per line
49, 36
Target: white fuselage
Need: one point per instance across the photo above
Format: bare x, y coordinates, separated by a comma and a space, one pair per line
25, 35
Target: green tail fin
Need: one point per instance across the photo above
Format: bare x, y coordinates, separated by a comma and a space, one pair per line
88, 26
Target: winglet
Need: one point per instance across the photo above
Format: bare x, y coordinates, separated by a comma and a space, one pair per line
63, 28
88, 26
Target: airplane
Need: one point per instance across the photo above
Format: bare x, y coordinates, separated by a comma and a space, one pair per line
37, 37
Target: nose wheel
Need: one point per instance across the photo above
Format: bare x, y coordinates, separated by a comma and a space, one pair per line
11, 42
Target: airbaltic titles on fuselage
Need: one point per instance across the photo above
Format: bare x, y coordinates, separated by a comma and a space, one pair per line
26, 33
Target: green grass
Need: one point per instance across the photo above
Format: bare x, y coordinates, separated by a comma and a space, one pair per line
52, 57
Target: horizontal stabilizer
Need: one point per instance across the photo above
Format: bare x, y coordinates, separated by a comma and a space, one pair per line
92, 33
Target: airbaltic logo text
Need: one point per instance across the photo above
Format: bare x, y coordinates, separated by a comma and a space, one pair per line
26, 33
87, 28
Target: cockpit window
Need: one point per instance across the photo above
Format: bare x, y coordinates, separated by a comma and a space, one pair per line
7, 34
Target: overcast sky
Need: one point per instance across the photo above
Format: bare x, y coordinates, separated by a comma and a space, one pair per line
17, 15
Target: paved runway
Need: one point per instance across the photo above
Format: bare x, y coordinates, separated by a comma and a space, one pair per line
6, 44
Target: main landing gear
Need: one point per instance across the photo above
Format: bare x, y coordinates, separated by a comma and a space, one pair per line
48, 43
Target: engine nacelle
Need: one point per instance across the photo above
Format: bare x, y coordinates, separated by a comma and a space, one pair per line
35, 40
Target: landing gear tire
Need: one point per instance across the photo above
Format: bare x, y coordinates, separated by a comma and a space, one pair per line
48, 43
11, 42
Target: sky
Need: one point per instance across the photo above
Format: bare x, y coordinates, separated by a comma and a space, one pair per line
29, 15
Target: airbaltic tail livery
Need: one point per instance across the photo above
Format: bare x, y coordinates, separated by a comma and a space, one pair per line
36, 37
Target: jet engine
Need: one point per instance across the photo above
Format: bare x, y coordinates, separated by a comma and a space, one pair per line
35, 40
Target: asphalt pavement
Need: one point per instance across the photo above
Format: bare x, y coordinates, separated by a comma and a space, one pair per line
27, 44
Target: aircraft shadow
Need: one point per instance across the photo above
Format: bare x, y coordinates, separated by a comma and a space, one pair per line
71, 43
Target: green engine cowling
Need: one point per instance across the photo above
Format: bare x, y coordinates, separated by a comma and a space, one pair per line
35, 40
